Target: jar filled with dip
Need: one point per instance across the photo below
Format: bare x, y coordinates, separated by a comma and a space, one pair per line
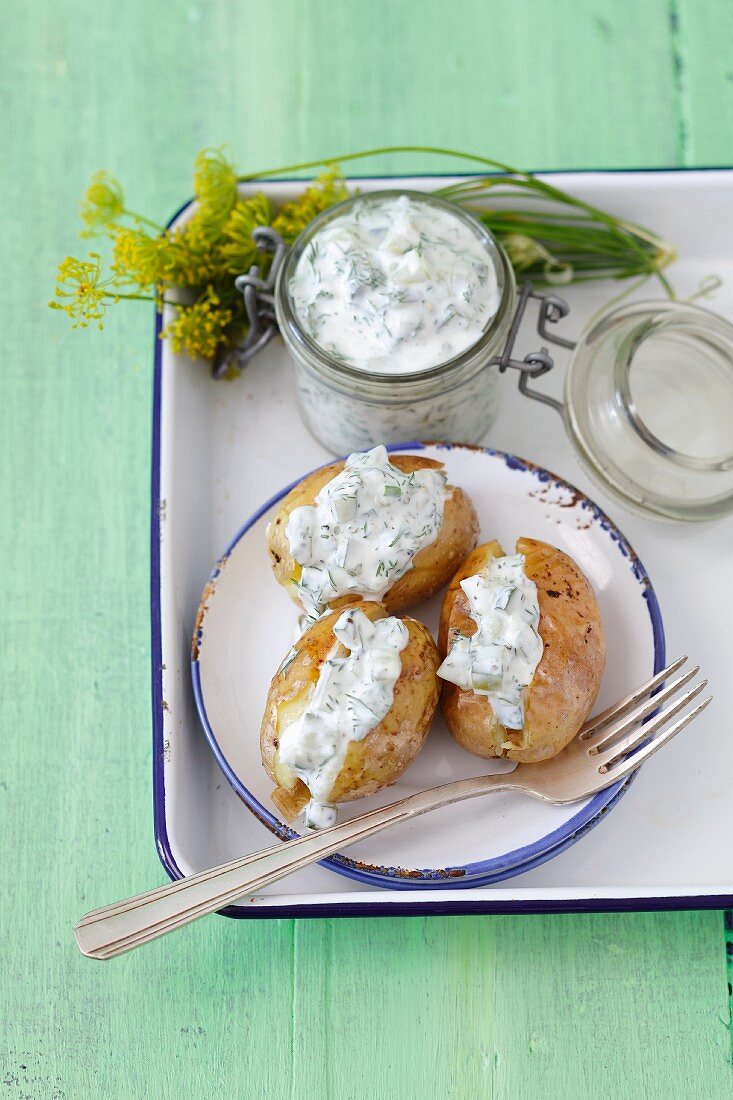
393, 305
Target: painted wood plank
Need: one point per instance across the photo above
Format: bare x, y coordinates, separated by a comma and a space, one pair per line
614, 1006
535, 87
504, 1007
461, 1007
702, 33
409, 1008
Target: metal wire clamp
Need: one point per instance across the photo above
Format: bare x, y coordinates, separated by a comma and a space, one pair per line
536, 363
259, 304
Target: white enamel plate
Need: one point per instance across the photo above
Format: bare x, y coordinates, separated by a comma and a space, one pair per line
246, 625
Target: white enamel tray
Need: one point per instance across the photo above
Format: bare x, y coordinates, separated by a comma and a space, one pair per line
221, 449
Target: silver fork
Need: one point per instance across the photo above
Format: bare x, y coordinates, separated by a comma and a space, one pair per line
608, 748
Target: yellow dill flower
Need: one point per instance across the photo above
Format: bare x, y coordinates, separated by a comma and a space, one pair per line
324, 192
102, 204
84, 295
238, 251
138, 258
188, 257
215, 187
200, 328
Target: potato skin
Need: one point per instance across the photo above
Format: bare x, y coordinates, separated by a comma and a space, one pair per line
567, 679
381, 757
433, 566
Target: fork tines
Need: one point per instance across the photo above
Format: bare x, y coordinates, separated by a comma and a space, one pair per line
640, 722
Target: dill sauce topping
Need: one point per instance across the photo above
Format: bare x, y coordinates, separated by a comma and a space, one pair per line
366, 526
395, 286
500, 659
352, 696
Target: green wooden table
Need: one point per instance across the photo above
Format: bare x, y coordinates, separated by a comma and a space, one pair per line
560, 1006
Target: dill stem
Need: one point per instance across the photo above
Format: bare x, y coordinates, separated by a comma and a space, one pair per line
145, 221
149, 298
152, 298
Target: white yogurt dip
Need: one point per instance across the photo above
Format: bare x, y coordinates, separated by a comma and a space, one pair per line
500, 659
365, 528
352, 696
395, 286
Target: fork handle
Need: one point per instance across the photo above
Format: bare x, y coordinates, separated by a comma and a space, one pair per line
114, 929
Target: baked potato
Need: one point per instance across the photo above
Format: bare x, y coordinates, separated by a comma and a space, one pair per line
565, 682
359, 767
423, 573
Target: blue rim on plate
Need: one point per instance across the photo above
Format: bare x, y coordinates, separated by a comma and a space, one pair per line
487, 871
351, 908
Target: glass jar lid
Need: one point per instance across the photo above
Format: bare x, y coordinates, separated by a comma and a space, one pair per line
649, 407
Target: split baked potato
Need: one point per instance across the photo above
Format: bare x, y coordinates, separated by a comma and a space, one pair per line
432, 567
383, 754
566, 680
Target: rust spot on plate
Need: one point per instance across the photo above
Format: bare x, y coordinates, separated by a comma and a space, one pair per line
206, 595
200, 615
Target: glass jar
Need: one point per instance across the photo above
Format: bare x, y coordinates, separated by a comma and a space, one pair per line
649, 407
349, 409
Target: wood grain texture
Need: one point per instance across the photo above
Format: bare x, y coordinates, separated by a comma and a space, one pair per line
479, 1007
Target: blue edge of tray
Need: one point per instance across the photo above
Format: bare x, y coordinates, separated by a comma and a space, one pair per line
414, 907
